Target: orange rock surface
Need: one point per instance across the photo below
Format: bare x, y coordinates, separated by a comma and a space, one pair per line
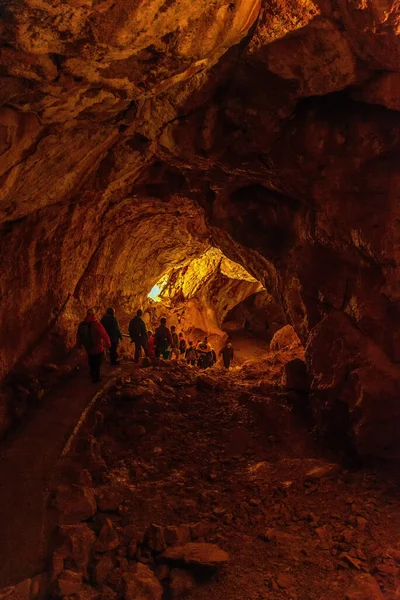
134, 135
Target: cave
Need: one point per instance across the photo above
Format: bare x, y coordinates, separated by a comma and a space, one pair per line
232, 167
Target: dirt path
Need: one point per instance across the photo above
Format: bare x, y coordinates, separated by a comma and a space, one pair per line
202, 454
27, 460
248, 346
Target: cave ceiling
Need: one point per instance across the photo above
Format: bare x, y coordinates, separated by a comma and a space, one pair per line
135, 134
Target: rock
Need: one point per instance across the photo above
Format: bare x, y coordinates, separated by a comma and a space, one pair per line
201, 554
20, 591
176, 535
206, 382
142, 585
162, 572
75, 544
108, 538
395, 554
362, 523
296, 376
285, 339
69, 583
199, 530
285, 580
155, 538
108, 593
57, 565
39, 586
322, 471
86, 592
75, 503
109, 498
351, 560
181, 582
132, 548
387, 569
365, 587
102, 569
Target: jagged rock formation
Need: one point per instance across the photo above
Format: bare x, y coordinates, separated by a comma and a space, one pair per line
135, 134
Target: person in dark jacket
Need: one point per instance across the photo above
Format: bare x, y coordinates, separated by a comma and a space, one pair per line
94, 338
111, 325
191, 354
227, 354
163, 339
138, 334
204, 354
213, 357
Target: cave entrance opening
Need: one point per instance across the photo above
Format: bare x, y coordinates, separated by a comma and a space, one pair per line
211, 295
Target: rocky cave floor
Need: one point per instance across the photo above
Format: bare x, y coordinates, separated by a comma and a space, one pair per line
172, 458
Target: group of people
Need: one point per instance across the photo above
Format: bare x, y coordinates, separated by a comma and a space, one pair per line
98, 336
203, 355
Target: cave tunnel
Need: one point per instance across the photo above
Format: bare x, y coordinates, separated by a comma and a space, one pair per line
232, 167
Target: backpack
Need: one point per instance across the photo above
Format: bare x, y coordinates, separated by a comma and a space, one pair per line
85, 335
161, 335
136, 327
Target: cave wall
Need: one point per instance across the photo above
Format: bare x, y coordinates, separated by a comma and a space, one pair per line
200, 294
260, 312
269, 129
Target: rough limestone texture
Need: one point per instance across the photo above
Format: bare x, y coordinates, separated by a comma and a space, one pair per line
134, 135
365, 587
201, 554
143, 584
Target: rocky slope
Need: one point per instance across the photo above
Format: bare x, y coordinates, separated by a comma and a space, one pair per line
271, 127
249, 505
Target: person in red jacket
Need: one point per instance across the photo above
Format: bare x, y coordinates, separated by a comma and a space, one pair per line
151, 342
94, 338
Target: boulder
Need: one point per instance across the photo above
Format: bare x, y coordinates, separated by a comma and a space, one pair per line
75, 544
155, 538
21, 591
365, 587
201, 554
327, 470
285, 580
284, 339
108, 538
68, 583
181, 582
109, 498
39, 586
295, 376
162, 572
75, 503
199, 530
142, 585
102, 569
177, 535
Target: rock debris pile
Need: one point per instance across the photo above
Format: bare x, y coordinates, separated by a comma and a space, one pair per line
179, 486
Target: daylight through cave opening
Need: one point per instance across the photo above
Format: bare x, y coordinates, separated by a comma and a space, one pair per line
198, 295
